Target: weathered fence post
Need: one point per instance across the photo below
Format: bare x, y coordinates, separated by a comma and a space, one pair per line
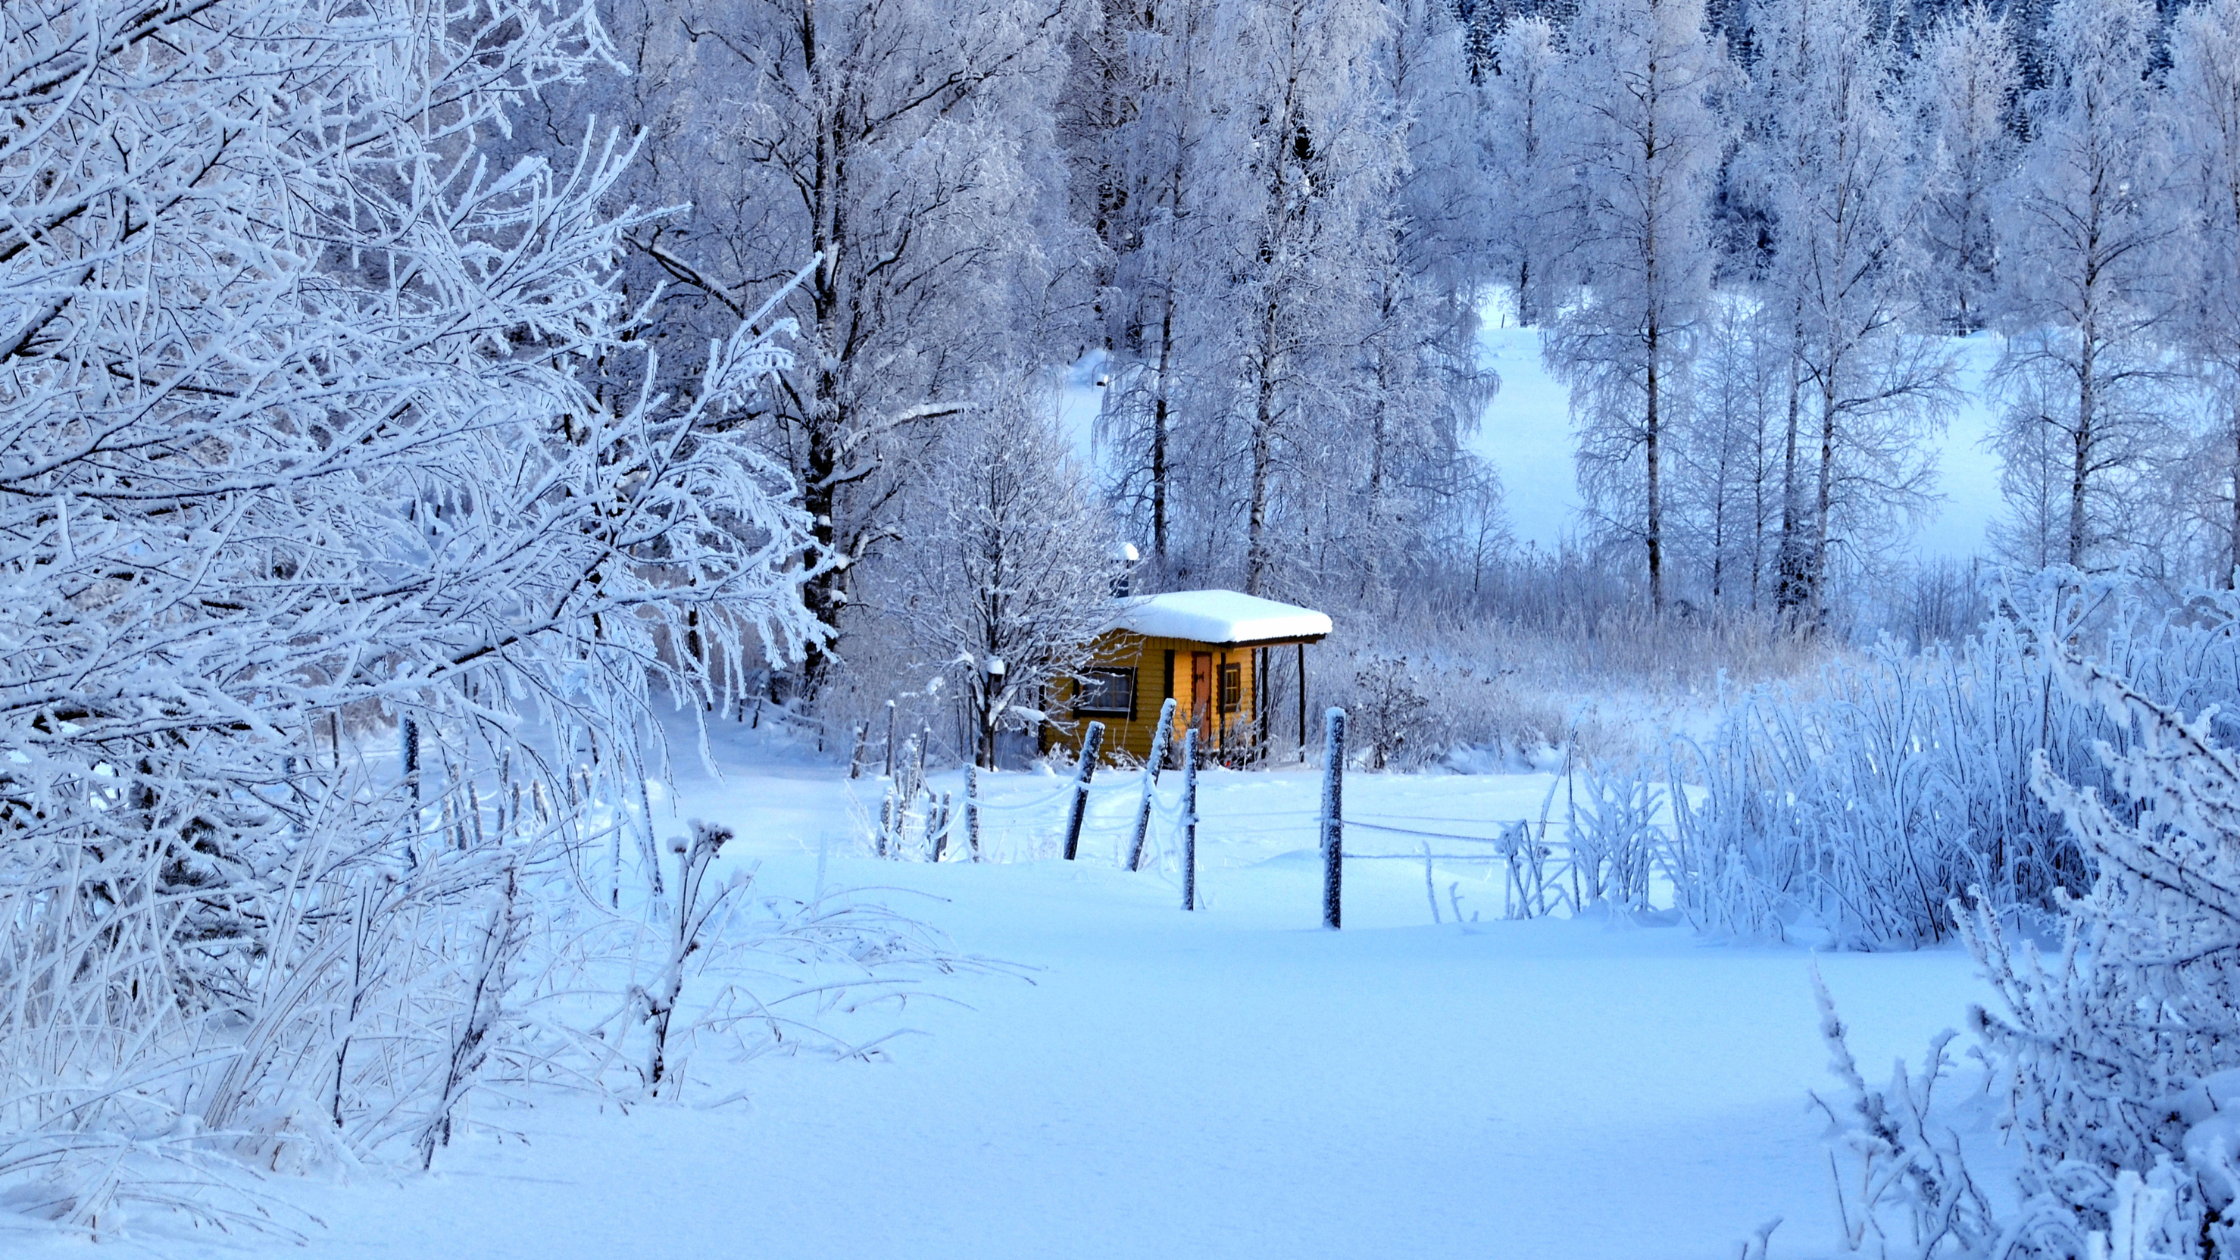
1333, 814
1190, 819
890, 741
972, 809
855, 754
941, 832
1083, 771
1159, 739
409, 735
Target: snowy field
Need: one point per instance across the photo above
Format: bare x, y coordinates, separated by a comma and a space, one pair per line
1233, 1083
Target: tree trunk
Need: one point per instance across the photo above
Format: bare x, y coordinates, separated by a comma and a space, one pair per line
825, 422
1654, 436
1159, 437
2081, 441
2232, 571
1790, 591
1256, 559
1817, 572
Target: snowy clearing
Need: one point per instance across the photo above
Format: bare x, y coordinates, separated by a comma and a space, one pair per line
1230, 1083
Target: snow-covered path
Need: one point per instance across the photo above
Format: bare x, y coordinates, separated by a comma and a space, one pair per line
1234, 1083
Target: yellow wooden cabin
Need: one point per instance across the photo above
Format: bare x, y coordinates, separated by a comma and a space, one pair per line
1207, 649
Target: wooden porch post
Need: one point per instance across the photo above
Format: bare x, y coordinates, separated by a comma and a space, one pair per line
1221, 701
1302, 702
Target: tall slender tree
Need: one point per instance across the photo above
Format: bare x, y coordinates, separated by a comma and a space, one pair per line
2204, 107
1533, 228
1646, 143
2087, 270
908, 147
1962, 91
1845, 269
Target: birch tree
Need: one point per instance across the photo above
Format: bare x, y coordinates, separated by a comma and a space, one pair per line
1962, 88
1012, 570
1845, 270
1312, 167
2204, 106
1645, 142
1727, 462
299, 443
909, 146
1532, 226
1152, 153
2087, 274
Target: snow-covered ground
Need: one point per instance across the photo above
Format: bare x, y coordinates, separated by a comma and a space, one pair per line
1231, 1083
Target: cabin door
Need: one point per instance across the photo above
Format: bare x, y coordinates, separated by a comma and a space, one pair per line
1201, 697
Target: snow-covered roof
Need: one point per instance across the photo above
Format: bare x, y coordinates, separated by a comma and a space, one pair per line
1218, 617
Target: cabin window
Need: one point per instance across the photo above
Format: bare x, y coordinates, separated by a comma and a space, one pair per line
1232, 687
1106, 693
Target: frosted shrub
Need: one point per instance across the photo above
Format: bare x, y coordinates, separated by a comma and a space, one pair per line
1902, 1182
2120, 1053
1390, 715
1867, 809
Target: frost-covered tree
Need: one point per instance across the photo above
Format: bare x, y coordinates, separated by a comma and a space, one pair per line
909, 145
1012, 563
1419, 382
1151, 152
2118, 1049
1534, 216
2204, 106
1727, 462
1645, 142
1845, 271
2087, 273
1962, 88
301, 443
1295, 295
1315, 165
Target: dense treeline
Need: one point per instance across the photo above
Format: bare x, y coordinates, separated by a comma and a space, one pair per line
1754, 237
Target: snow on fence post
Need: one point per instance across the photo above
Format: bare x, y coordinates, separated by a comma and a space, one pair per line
1083, 771
1159, 739
855, 754
1190, 819
1333, 813
972, 809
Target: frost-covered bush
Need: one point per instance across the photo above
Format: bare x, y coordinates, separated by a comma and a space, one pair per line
1866, 809
317, 434
2121, 1052
1390, 716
